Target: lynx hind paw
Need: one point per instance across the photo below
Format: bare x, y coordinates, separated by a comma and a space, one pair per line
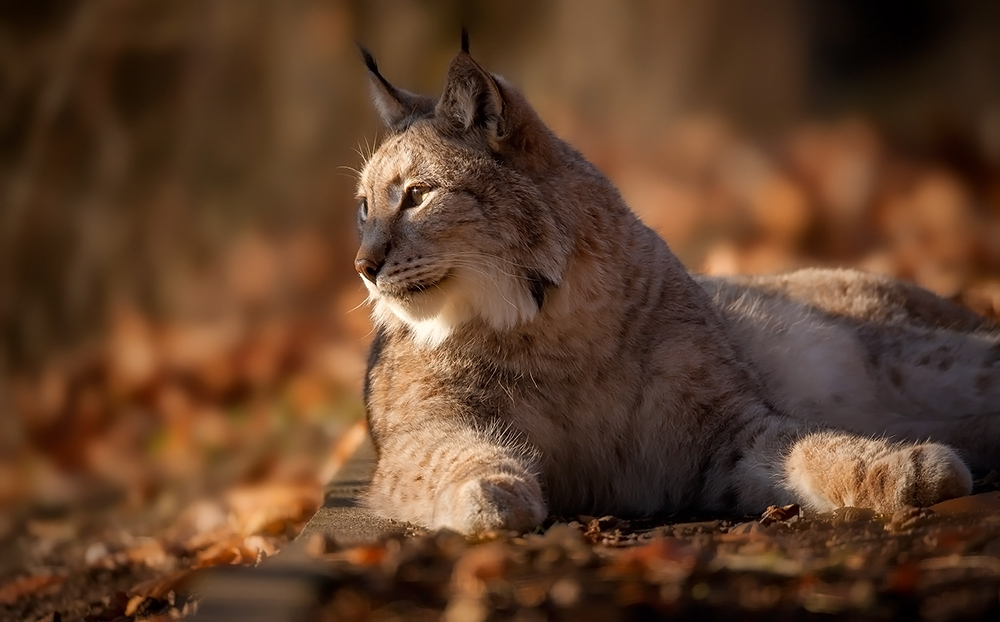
932, 473
491, 503
918, 475
827, 471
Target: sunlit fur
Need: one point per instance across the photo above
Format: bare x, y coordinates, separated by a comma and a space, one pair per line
471, 292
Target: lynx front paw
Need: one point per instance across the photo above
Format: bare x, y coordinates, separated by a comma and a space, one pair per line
490, 503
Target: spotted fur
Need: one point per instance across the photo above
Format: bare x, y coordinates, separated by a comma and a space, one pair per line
539, 350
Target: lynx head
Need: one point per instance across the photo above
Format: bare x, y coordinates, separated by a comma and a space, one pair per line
454, 225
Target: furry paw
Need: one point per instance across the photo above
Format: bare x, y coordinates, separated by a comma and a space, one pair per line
494, 502
828, 470
920, 475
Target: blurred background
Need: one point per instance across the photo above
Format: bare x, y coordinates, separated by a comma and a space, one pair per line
178, 308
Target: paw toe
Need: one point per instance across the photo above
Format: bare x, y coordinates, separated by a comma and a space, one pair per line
493, 503
936, 474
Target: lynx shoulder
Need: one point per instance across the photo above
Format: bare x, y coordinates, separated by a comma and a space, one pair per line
539, 350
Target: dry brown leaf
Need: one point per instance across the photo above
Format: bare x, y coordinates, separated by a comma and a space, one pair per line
150, 552
986, 502
226, 552
746, 532
235, 550
477, 567
669, 558
26, 586
780, 209
365, 555
272, 507
775, 514
722, 259
133, 604
132, 352
201, 517
160, 587
343, 449
260, 546
203, 539
906, 518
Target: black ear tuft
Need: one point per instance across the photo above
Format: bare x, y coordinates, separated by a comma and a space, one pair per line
465, 40
369, 60
398, 108
471, 102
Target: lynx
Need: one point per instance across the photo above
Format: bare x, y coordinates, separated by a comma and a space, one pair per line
539, 351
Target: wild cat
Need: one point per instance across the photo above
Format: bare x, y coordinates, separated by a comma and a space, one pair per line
539, 350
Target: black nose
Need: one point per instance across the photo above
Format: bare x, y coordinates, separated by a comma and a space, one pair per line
367, 268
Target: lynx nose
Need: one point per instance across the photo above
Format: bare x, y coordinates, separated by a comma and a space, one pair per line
367, 267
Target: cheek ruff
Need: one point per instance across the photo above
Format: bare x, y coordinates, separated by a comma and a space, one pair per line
435, 311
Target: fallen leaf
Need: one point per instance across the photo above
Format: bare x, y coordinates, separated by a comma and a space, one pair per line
343, 449
367, 555
478, 566
668, 558
228, 552
746, 532
775, 514
986, 502
150, 552
272, 507
13, 591
160, 587
133, 604
906, 518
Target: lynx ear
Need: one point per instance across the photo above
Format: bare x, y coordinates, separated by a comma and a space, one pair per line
398, 108
471, 101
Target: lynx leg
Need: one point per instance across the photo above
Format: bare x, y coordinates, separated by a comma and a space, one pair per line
467, 482
827, 470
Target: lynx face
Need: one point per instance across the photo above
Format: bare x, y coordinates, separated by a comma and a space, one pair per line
449, 234
434, 254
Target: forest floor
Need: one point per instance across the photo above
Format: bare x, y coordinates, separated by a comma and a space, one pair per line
939, 563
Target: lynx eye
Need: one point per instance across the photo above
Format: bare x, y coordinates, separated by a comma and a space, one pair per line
363, 210
417, 194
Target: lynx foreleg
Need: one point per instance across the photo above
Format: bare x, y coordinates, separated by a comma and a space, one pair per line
466, 480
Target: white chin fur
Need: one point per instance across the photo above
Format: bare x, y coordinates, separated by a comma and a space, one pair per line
433, 315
